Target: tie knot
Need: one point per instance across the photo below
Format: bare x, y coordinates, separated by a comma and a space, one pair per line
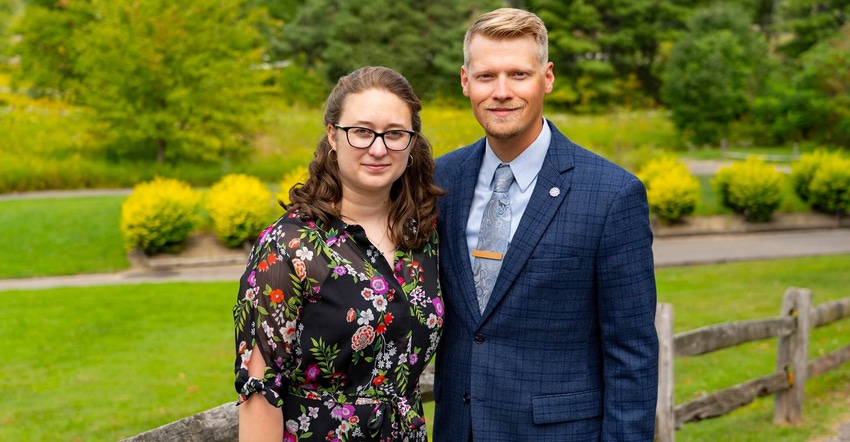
503, 178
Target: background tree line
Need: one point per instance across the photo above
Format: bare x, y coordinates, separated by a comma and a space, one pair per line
188, 79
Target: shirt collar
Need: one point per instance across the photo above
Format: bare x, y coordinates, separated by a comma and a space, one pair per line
526, 166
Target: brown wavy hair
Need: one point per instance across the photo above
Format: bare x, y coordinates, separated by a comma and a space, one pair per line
413, 206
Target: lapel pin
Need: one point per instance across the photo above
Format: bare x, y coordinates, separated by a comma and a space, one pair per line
553, 192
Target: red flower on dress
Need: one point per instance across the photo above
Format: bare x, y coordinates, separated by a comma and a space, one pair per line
351, 315
276, 296
294, 242
388, 318
380, 329
300, 268
272, 258
364, 336
379, 380
263, 266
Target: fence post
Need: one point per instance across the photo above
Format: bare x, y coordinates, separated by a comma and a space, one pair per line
665, 419
792, 357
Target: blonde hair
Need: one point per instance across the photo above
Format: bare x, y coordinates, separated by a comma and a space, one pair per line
509, 23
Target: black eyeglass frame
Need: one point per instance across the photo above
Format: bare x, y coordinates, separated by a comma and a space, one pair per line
377, 135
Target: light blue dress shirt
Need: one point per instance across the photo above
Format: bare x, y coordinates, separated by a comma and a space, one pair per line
525, 168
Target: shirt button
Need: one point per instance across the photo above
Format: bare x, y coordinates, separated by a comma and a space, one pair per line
479, 338
466, 398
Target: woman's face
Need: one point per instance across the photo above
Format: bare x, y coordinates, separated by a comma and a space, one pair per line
370, 171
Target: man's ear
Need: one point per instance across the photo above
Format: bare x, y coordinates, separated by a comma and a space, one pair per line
464, 81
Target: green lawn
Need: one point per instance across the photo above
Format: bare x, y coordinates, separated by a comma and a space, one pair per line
63, 236
104, 363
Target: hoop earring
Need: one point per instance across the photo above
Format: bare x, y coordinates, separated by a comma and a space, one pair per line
409, 161
332, 155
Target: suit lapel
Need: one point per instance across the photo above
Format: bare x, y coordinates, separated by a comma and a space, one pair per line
549, 193
460, 202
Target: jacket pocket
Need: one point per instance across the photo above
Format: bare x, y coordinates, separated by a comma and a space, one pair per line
552, 408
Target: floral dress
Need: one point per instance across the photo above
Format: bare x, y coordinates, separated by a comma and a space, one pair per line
344, 336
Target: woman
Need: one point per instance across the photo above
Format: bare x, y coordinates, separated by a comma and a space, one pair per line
339, 309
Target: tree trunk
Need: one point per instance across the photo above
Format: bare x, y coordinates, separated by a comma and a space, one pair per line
160, 151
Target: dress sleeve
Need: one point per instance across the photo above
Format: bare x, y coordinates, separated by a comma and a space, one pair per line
266, 314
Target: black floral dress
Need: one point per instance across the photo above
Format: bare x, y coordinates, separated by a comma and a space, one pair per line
344, 336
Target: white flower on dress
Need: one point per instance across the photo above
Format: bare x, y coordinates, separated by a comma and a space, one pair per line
432, 320
305, 422
366, 317
292, 426
380, 303
304, 253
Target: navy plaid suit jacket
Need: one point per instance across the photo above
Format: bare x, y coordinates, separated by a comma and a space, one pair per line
566, 349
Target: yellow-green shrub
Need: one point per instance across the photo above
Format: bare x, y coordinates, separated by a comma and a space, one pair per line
803, 170
672, 191
239, 207
751, 188
829, 189
295, 176
159, 216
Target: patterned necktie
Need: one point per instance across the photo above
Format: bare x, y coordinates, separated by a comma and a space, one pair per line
493, 237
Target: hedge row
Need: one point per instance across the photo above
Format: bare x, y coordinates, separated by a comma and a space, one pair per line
159, 215
751, 188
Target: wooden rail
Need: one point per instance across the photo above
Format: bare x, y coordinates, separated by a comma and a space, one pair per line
219, 424
787, 382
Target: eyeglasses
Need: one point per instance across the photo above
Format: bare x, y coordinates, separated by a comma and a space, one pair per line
362, 138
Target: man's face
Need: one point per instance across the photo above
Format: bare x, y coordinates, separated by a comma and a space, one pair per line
506, 85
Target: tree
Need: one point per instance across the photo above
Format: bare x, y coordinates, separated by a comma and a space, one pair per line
609, 51
47, 55
811, 21
8, 9
172, 78
421, 40
709, 78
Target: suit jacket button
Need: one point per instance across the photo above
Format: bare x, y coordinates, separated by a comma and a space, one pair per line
479, 338
466, 398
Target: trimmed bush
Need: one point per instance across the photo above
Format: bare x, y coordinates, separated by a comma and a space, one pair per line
671, 189
751, 188
239, 208
829, 190
159, 216
803, 170
295, 176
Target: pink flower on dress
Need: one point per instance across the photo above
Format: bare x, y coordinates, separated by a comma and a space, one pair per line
438, 306
300, 268
343, 411
312, 372
351, 315
379, 284
364, 336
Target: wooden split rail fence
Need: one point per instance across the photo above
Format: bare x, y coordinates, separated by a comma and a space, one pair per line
787, 382
792, 365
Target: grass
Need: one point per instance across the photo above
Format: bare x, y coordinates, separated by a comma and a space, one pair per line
60, 236
104, 363
712, 294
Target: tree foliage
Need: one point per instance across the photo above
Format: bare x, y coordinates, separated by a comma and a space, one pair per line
608, 52
811, 21
710, 75
46, 48
421, 40
172, 78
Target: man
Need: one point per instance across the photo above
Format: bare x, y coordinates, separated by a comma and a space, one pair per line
551, 338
